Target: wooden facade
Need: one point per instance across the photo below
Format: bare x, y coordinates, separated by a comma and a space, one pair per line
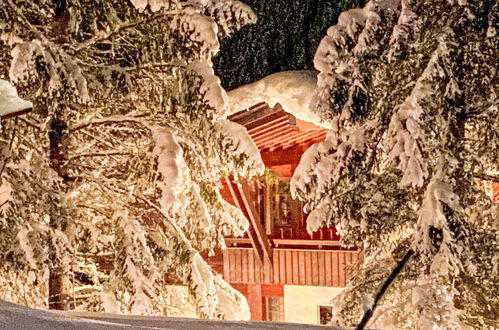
277, 250
289, 266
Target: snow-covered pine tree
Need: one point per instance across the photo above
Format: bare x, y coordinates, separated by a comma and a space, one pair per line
124, 150
410, 88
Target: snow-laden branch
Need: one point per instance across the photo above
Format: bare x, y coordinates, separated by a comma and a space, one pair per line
105, 35
109, 120
230, 302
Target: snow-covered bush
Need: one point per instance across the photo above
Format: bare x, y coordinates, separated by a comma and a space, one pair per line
410, 89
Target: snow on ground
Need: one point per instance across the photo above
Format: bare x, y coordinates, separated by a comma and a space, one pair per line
15, 317
9, 101
293, 90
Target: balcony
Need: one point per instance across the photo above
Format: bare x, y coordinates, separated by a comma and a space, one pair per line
289, 266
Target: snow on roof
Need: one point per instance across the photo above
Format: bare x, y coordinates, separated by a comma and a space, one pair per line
10, 102
293, 90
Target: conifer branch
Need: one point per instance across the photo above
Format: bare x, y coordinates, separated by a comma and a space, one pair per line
369, 313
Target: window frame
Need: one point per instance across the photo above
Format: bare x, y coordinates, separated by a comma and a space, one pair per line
330, 309
279, 312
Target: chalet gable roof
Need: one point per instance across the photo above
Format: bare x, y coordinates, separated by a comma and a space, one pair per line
274, 129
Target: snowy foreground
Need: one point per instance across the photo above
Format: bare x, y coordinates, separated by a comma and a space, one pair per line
15, 317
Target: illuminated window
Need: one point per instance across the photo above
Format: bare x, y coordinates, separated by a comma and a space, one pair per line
282, 200
275, 309
325, 314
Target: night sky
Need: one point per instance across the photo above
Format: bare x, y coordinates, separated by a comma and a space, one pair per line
284, 38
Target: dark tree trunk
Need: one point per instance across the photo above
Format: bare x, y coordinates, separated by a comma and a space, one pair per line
59, 297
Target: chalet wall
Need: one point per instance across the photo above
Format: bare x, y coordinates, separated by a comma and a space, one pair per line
301, 302
289, 266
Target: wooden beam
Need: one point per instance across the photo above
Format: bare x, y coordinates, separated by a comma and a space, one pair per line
307, 126
274, 137
285, 171
265, 127
257, 116
233, 193
253, 239
293, 121
254, 299
270, 130
242, 113
285, 241
255, 219
260, 121
226, 265
294, 139
272, 290
284, 139
15, 114
267, 209
308, 242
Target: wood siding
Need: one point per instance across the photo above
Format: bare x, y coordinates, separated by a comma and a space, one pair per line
289, 266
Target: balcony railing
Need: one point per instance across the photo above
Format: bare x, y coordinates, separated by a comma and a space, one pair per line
289, 266
280, 242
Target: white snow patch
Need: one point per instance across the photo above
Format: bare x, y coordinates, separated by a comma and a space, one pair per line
232, 303
109, 302
405, 131
243, 144
19, 317
10, 102
293, 90
199, 28
5, 192
10, 39
172, 167
318, 216
202, 278
154, 5
211, 89
336, 59
201, 212
324, 162
432, 215
235, 218
23, 71
26, 246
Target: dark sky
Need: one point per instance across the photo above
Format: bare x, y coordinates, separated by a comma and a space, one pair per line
284, 38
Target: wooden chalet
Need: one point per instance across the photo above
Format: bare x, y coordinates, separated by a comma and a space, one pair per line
285, 273
278, 259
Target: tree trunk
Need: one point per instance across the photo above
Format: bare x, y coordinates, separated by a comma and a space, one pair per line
59, 297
